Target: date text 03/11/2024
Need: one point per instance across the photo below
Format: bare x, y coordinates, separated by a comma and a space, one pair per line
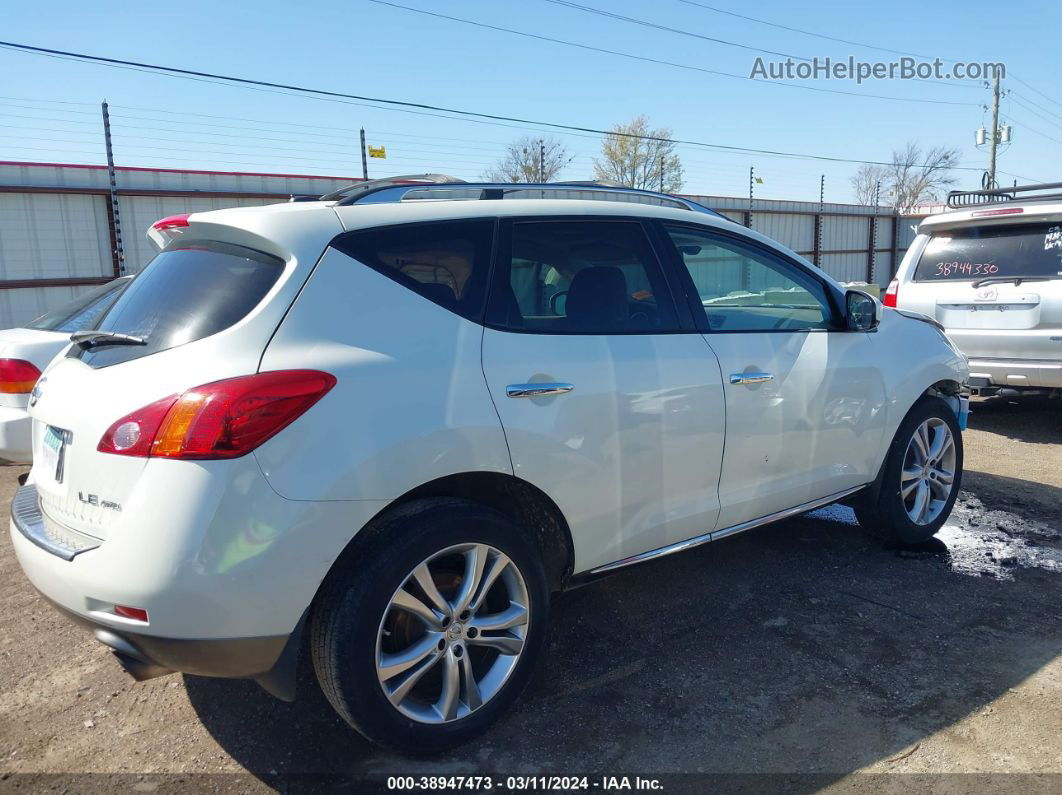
523, 783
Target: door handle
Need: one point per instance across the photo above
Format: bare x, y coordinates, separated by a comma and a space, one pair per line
750, 378
537, 390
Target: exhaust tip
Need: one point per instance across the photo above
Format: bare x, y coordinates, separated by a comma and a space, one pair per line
132, 660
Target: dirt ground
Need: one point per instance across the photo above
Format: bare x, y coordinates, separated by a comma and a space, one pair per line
804, 650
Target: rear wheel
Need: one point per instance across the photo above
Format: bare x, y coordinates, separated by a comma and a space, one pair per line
921, 477
431, 631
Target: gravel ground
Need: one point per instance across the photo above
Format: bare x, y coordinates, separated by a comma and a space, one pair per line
803, 648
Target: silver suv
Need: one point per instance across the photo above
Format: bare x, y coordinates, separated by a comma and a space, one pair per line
990, 271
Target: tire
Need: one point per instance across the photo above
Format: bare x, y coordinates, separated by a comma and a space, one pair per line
892, 516
359, 631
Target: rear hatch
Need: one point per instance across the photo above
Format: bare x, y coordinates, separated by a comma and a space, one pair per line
201, 311
996, 288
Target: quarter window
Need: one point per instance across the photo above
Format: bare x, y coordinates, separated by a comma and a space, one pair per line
582, 277
744, 289
446, 262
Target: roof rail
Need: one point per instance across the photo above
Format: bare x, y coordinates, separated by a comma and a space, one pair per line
396, 189
959, 199
356, 189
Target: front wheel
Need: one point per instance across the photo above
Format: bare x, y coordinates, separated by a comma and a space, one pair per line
431, 630
921, 477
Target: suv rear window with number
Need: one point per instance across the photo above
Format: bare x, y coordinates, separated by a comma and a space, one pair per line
984, 252
184, 294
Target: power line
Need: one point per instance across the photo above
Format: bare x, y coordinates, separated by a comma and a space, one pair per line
1040, 116
1038, 91
806, 32
646, 23
661, 62
403, 104
1014, 94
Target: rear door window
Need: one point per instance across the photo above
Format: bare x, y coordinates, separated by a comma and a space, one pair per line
184, 294
581, 277
984, 252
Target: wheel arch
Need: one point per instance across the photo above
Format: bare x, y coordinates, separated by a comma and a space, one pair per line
525, 504
947, 389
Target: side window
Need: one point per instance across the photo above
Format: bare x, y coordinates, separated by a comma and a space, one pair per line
581, 277
744, 289
447, 262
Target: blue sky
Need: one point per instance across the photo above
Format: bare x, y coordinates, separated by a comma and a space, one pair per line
50, 107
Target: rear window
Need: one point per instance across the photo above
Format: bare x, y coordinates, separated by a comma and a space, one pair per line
1012, 251
84, 312
183, 295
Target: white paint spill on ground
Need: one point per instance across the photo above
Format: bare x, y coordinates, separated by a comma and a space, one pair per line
997, 543
978, 542
834, 513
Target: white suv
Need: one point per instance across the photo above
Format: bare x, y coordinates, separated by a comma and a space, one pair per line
386, 425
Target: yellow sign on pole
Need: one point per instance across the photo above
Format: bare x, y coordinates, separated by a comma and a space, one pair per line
378, 151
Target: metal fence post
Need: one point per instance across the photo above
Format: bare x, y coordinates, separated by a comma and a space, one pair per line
114, 218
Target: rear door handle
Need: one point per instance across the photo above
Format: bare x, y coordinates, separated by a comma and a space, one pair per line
537, 390
750, 378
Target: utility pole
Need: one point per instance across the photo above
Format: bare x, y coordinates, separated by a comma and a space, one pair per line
116, 224
364, 157
541, 161
994, 133
661, 173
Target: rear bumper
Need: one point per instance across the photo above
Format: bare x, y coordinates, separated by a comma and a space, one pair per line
15, 443
1016, 373
147, 656
225, 568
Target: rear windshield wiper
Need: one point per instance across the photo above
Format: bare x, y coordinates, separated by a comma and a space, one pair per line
89, 338
1016, 279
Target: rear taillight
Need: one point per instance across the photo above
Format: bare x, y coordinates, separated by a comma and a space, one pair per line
17, 376
891, 293
224, 419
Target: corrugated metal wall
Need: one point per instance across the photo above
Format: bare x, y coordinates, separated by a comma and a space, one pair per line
55, 225
55, 222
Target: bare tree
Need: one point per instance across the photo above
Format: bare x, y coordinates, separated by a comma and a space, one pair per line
919, 176
640, 157
915, 176
530, 159
868, 184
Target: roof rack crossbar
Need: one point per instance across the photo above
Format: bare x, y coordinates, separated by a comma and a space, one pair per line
959, 199
392, 192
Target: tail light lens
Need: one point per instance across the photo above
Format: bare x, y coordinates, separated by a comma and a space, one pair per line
17, 376
166, 229
225, 419
892, 292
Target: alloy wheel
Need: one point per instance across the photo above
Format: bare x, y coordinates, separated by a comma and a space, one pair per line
452, 633
928, 474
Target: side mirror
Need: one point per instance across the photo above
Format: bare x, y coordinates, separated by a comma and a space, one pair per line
862, 311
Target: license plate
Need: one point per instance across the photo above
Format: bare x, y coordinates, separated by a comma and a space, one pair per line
53, 448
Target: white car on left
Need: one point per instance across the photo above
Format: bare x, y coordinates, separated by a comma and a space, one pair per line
25, 352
